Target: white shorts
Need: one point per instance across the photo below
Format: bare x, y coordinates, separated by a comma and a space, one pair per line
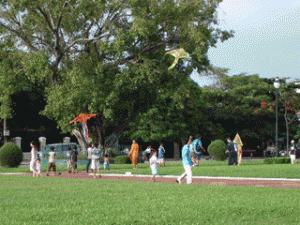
95, 164
32, 165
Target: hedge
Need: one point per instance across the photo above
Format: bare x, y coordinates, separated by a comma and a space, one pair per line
217, 149
122, 159
277, 160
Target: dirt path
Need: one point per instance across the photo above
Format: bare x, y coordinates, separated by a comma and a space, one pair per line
220, 181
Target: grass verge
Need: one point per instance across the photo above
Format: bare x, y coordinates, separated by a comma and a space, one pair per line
28, 200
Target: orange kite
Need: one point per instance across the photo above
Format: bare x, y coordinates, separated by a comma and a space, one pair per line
83, 117
134, 153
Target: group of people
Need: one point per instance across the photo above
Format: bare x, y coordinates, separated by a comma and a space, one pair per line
73, 157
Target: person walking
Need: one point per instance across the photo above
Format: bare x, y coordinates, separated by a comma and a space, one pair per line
134, 154
52, 162
293, 152
74, 159
33, 158
95, 156
91, 146
187, 162
232, 153
197, 148
154, 165
161, 155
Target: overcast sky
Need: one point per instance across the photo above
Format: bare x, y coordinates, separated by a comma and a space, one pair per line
267, 38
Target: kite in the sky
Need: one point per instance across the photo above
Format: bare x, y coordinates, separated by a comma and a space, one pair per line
178, 54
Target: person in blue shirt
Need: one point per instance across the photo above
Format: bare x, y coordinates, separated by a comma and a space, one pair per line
187, 162
161, 155
196, 149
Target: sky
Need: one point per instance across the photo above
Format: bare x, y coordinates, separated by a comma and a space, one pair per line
266, 40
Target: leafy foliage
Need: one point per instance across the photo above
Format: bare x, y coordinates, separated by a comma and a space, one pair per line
122, 159
217, 150
10, 155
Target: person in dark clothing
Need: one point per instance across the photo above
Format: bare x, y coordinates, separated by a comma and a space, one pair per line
232, 153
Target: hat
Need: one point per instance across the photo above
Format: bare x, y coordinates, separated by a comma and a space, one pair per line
292, 141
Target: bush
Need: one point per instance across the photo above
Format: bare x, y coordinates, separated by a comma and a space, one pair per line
10, 155
217, 150
122, 159
277, 160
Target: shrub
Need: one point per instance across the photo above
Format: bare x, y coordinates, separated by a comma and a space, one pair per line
122, 159
217, 150
277, 160
10, 155
268, 161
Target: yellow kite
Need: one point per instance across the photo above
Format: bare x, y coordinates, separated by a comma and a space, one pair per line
178, 53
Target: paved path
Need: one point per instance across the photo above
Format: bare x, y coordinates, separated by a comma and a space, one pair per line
220, 181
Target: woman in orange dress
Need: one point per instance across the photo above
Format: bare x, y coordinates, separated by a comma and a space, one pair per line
134, 154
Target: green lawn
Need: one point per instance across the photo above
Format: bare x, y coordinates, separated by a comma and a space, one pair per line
247, 169
28, 200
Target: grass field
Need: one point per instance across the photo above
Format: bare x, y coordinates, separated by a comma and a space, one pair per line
28, 200
247, 169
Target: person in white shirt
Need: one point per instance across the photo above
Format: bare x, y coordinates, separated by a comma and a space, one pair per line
33, 158
95, 156
154, 165
52, 162
147, 153
293, 152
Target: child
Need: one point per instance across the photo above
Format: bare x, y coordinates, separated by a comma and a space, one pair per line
69, 159
52, 162
154, 165
106, 162
95, 156
74, 158
38, 167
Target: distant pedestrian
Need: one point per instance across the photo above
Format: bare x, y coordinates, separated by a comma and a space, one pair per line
154, 165
197, 149
95, 156
232, 153
74, 159
134, 154
161, 154
33, 158
51, 163
148, 153
69, 164
293, 152
187, 162
106, 162
91, 146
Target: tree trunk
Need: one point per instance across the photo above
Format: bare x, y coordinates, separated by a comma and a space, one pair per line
80, 140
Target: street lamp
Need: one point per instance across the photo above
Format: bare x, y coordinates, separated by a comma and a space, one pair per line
277, 86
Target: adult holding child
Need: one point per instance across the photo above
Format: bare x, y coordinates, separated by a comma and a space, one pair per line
34, 152
134, 154
95, 156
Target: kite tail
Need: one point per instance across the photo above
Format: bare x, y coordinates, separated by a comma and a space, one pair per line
179, 70
160, 60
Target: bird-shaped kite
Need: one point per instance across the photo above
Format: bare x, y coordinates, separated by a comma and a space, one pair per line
178, 54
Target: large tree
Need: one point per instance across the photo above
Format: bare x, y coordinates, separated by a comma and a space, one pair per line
101, 56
